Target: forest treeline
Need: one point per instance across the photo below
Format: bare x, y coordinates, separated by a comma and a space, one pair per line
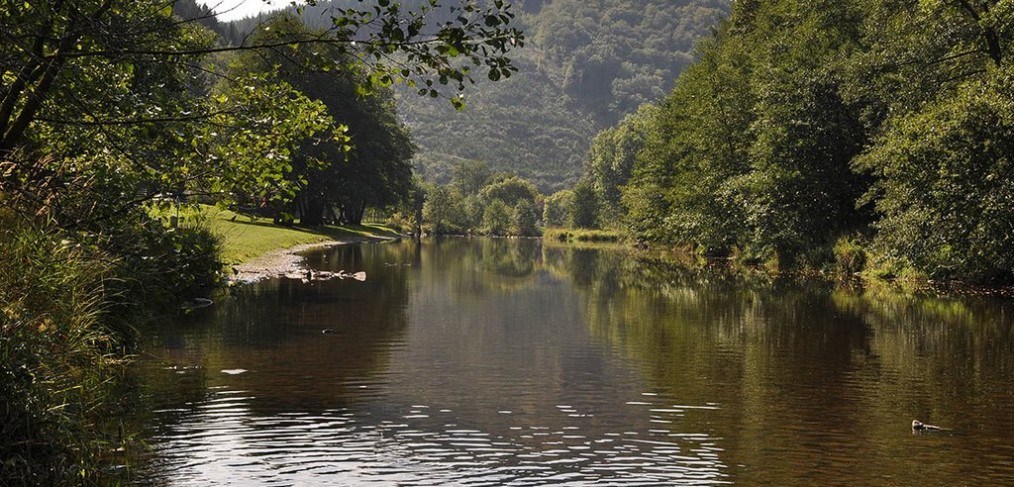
585, 65
869, 135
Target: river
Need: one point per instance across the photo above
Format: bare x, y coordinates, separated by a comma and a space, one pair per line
486, 362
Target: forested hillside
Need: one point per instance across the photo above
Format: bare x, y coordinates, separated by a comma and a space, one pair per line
523, 125
585, 65
611, 57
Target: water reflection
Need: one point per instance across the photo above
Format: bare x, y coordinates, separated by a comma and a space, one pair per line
816, 385
500, 362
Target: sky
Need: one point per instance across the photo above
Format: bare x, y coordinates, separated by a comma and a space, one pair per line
237, 9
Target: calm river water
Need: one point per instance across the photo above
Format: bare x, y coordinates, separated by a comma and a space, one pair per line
504, 362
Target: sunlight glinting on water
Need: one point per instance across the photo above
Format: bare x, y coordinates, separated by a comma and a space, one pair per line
221, 440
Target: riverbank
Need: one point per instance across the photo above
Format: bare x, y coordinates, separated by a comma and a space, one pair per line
254, 249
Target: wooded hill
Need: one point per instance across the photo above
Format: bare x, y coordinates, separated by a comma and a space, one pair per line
585, 65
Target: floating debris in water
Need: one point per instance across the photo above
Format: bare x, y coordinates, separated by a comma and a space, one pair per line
311, 275
920, 427
196, 303
234, 371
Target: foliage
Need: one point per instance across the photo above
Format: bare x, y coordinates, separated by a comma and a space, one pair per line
425, 44
612, 156
584, 208
54, 367
503, 205
944, 185
496, 218
523, 219
85, 70
68, 310
439, 209
849, 255
556, 212
699, 140
803, 124
511, 190
470, 177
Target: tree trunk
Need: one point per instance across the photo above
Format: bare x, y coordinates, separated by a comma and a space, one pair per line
311, 211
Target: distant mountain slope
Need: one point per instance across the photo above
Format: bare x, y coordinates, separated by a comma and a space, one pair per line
586, 64
522, 125
612, 56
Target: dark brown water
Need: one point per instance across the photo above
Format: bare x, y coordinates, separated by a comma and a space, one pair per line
482, 362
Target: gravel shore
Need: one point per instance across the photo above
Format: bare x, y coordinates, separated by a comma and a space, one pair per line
278, 262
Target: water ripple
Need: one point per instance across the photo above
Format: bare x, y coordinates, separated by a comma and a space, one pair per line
223, 441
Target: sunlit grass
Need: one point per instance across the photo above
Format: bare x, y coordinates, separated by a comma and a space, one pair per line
245, 238
582, 236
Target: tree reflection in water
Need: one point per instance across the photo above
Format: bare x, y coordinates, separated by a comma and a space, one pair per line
504, 360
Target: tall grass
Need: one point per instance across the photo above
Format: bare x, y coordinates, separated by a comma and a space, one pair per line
68, 303
57, 362
583, 235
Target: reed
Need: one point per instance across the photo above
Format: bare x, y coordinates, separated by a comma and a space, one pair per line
58, 363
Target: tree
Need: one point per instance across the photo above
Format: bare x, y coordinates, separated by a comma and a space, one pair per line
121, 71
470, 176
510, 190
366, 163
557, 210
944, 184
612, 157
584, 210
696, 142
439, 208
799, 194
496, 218
523, 220
795, 110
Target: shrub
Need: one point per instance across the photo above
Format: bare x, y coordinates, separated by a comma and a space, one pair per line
496, 218
849, 255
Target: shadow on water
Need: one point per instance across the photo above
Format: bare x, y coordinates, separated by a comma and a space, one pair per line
492, 362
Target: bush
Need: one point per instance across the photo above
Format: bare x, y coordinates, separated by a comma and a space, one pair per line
161, 267
849, 255
496, 218
68, 301
523, 220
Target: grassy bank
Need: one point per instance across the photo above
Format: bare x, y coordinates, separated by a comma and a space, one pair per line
583, 235
245, 238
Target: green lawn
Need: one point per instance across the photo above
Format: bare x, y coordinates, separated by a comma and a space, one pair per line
245, 238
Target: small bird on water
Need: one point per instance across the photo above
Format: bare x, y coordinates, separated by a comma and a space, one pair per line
920, 426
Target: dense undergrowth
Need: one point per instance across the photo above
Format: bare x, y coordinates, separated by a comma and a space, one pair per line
69, 304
